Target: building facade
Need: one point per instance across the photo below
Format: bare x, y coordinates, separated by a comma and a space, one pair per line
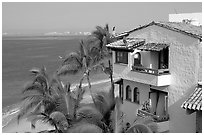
192, 18
159, 65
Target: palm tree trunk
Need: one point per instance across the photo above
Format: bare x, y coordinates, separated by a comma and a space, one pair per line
66, 97
89, 83
112, 82
77, 102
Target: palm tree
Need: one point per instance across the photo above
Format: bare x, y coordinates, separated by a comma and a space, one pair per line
47, 98
100, 38
86, 59
37, 94
105, 114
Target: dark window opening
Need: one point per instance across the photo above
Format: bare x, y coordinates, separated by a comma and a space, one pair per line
137, 59
121, 57
136, 95
121, 91
164, 59
128, 93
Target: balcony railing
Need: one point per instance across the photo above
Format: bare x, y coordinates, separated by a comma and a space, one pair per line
162, 122
150, 70
156, 118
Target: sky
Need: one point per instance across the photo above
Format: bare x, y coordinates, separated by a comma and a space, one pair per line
42, 17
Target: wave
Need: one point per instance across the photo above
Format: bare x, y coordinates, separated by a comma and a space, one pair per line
9, 112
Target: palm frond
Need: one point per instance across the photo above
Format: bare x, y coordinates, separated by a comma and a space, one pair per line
33, 96
89, 113
35, 71
26, 108
106, 28
60, 120
33, 87
104, 101
69, 69
72, 57
139, 128
43, 80
83, 127
148, 121
57, 85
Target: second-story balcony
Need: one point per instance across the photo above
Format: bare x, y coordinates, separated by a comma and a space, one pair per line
150, 70
146, 63
155, 77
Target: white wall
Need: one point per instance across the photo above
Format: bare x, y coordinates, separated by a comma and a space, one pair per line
130, 108
196, 17
185, 67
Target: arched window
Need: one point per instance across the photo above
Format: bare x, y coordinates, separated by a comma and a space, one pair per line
128, 93
137, 59
136, 95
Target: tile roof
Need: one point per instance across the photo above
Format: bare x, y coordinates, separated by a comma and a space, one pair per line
153, 46
189, 29
194, 102
121, 35
130, 44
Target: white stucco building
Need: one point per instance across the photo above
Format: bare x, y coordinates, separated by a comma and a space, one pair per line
194, 18
160, 65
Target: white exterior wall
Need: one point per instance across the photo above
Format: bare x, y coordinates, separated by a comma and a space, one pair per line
130, 108
185, 68
195, 17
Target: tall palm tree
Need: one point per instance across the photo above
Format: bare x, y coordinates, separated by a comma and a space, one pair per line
85, 60
37, 94
100, 38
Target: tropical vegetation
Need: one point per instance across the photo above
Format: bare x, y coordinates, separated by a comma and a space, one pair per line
51, 100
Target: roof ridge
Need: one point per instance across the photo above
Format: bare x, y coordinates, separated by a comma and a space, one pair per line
165, 25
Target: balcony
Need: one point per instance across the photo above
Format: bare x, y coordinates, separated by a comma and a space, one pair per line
161, 121
150, 71
154, 77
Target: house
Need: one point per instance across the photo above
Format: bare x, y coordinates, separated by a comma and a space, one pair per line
159, 65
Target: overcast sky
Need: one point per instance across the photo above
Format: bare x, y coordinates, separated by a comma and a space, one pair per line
61, 17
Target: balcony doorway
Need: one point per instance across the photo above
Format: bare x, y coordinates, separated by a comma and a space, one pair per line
164, 58
158, 102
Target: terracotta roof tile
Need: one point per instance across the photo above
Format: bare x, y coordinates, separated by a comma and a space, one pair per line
153, 46
130, 44
194, 102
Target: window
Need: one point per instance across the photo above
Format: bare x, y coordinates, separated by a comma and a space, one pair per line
164, 59
136, 95
128, 93
121, 91
121, 57
137, 59
158, 102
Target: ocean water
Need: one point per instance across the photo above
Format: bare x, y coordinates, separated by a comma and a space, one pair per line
19, 55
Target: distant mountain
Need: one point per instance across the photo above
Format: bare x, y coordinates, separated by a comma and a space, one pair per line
55, 34
66, 33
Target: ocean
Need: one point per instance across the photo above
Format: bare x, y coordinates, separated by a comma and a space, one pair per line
19, 55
